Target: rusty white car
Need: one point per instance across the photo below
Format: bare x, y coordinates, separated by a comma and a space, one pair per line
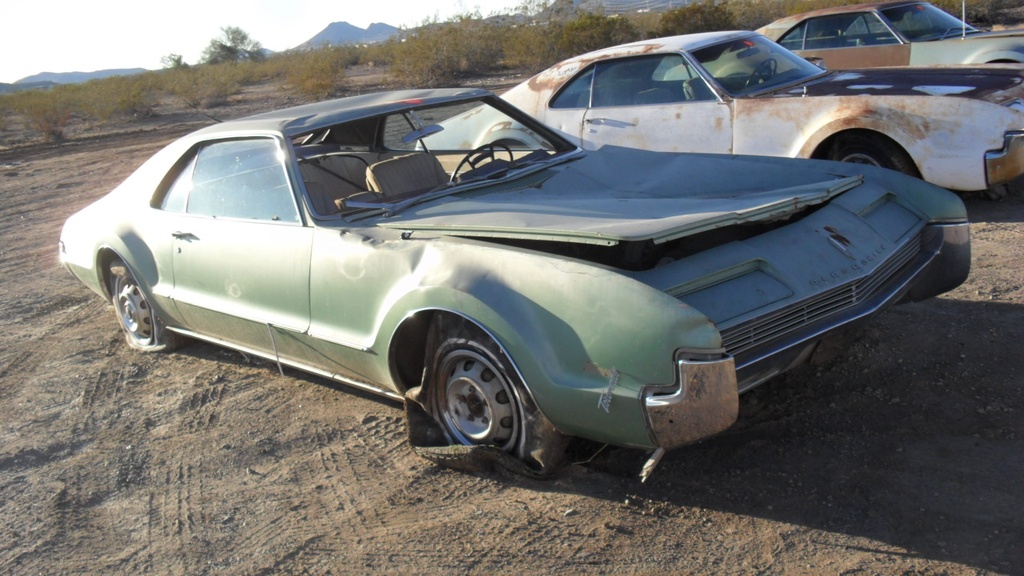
893, 34
740, 93
443, 248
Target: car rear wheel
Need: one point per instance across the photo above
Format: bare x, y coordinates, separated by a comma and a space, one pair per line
873, 150
473, 391
142, 326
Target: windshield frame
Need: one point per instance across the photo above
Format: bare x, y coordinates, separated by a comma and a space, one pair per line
949, 26
414, 130
738, 79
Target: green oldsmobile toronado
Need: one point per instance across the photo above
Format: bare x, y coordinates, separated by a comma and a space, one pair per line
443, 248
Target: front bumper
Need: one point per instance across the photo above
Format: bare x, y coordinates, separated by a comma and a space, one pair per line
1004, 165
705, 402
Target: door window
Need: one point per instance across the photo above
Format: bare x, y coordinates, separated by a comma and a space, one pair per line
242, 179
662, 79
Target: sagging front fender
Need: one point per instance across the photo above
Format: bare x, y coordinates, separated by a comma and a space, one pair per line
586, 340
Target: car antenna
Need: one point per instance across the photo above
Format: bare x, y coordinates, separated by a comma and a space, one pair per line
963, 18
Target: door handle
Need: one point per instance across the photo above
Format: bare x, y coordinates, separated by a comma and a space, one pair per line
609, 122
186, 236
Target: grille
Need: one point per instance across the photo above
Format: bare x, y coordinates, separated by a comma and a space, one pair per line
762, 329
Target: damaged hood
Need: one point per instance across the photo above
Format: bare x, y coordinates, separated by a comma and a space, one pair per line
962, 81
655, 196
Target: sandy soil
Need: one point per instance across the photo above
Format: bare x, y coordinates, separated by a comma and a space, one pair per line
903, 456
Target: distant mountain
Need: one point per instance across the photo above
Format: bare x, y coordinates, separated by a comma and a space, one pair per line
77, 77
340, 33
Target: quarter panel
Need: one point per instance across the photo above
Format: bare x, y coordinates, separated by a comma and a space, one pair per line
967, 51
946, 137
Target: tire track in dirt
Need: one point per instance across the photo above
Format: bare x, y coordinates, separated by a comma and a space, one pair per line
174, 509
200, 408
27, 538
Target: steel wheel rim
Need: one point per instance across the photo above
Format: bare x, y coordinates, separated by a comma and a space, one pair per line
135, 312
477, 401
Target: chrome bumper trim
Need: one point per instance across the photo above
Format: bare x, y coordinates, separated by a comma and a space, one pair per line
704, 401
1004, 165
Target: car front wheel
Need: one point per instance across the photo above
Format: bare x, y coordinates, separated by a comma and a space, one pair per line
874, 150
474, 393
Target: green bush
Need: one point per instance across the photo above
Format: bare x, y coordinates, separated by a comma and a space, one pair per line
590, 32
752, 14
979, 12
118, 96
48, 112
205, 86
706, 16
532, 47
316, 73
440, 53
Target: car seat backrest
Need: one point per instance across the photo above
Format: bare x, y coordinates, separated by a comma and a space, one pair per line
405, 175
331, 178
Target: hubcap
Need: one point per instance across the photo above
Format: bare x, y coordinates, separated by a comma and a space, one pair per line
859, 158
478, 405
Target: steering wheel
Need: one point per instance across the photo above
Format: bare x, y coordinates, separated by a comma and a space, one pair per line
479, 155
763, 73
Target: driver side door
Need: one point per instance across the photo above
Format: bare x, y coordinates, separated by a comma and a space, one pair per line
655, 103
241, 252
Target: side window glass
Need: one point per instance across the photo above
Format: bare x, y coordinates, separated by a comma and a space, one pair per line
641, 81
177, 194
577, 93
616, 83
828, 32
846, 31
675, 80
868, 30
794, 39
240, 179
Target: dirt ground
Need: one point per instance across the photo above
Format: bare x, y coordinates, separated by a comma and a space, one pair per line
903, 456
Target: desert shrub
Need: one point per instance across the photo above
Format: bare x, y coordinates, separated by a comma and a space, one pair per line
533, 46
204, 86
47, 111
980, 12
124, 96
646, 23
706, 16
380, 54
752, 14
590, 31
315, 73
439, 53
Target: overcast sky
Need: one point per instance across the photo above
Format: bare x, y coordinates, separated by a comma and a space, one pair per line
85, 36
